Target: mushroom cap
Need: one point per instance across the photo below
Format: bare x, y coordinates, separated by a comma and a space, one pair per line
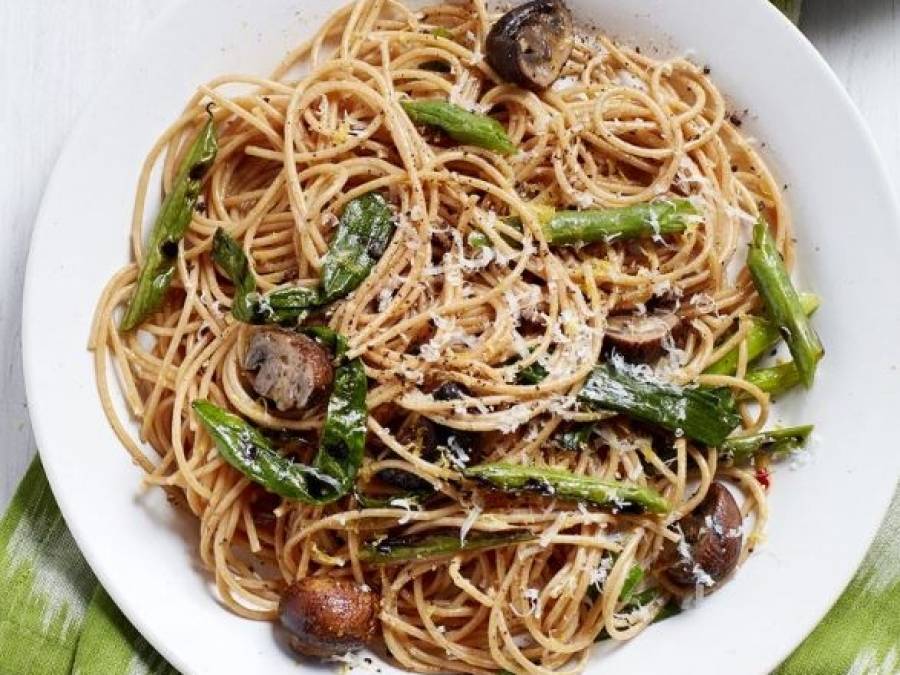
641, 336
712, 532
291, 369
530, 44
326, 616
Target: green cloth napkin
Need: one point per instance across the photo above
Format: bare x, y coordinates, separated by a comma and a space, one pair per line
55, 617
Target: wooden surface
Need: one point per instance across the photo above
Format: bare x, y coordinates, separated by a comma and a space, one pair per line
53, 55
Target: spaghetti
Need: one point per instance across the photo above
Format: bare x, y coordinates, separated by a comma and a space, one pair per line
468, 291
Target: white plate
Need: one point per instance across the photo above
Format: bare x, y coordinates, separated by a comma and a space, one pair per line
823, 515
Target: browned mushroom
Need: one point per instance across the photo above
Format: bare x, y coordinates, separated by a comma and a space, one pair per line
530, 44
424, 435
711, 545
327, 617
434, 441
290, 368
641, 336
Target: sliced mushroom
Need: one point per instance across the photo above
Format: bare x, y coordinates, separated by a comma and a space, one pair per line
328, 617
450, 391
712, 542
530, 44
641, 336
291, 369
425, 436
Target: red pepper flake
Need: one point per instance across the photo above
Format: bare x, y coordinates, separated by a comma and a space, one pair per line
762, 477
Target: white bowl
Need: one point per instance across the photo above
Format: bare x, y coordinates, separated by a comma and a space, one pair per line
823, 515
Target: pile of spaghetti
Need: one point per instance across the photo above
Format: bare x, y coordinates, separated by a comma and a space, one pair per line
483, 320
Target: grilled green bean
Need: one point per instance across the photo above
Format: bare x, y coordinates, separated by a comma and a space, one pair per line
158, 266
460, 124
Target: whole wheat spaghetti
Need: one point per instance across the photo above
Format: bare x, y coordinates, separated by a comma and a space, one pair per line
468, 291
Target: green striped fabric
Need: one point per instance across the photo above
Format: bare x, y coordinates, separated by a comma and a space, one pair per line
861, 633
54, 616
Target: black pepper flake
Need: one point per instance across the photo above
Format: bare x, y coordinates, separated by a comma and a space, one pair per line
707, 70
197, 171
735, 120
169, 249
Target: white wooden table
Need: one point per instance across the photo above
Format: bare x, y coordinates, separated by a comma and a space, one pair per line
54, 54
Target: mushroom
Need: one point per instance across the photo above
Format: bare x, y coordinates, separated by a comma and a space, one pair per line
641, 336
530, 44
326, 616
712, 541
434, 441
425, 435
450, 391
290, 368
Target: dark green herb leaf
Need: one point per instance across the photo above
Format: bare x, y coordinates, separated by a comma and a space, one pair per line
704, 415
363, 233
532, 374
575, 438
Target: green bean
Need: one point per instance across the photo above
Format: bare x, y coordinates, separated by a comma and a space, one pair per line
776, 379
761, 337
743, 448
782, 302
158, 266
460, 124
568, 485
431, 546
564, 228
639, 220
